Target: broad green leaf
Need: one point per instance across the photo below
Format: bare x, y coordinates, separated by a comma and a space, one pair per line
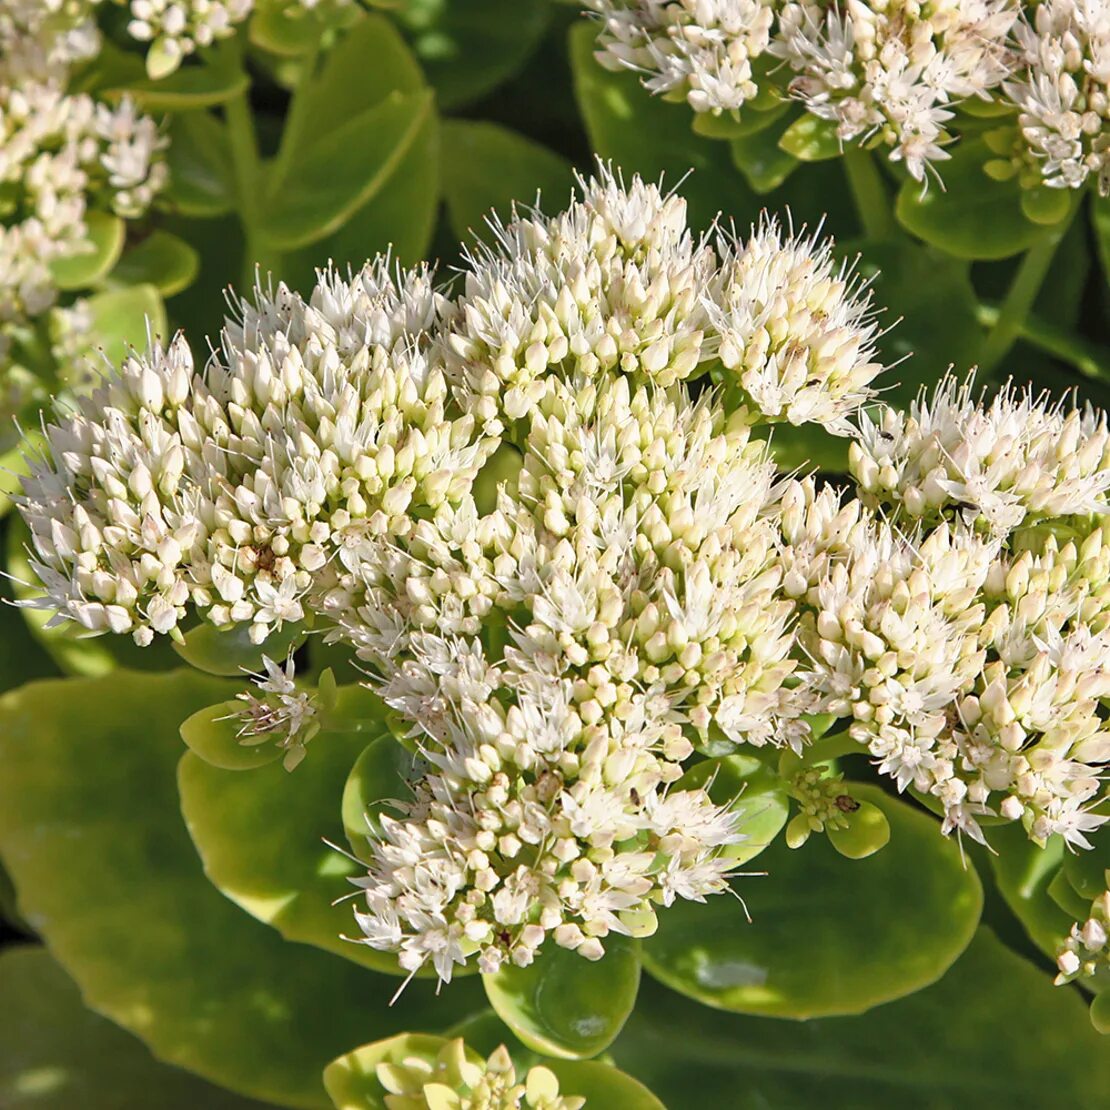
92, 835
230, 652
916, 286
212, 733
186, 89
79, 271
748, 787
261, 836
291, 30
486, 168
1023, 873
643, 134
828, 935
345, 87
62, 1055
161, 260
762, 161
72, 649
468, 49
380, 775
1086, 870
973, 216
565, 1005
343, 171
400, 218
1046, 206
866, 832
1100, 222
602, 1085
993, 1032
124, 319
22, 658
811, 139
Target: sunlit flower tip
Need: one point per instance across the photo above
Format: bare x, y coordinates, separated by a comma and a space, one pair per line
614, 284
1062, 91
997, 464
795, 326
459, 1078
280, 713
892, 72
698, 50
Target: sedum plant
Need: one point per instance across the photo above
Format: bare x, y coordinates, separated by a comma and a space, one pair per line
515, 682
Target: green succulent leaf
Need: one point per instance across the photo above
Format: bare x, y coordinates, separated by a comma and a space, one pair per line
1023, 872
185, 89
762, 161
64, 1055
262, 837
212, 734
468, 49
811, 139
866, 832
486, 168
92, 835
564, 1005
199, 157
748, 787
828, 935
162, 260
1087, 870
229, 652
1100, 223
380, 775
344, 87
973, 216
79, 271
123, 319
969, 1039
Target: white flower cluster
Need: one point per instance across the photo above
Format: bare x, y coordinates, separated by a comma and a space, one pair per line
699, 50
1063, 90
1086, 951
889, 72
618, 284
548, 657
971, 650
320, 425
283, 714
640, 582
62, 154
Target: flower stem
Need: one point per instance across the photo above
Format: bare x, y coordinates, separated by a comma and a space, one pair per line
1015, 309
1091, 360
869, 193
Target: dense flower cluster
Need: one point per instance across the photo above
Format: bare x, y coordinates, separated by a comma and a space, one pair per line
890, 72
619, 284
543, 514
62, 156
1063, 90
320, 425
1086, 951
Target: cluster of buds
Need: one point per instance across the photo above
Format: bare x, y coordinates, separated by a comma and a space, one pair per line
567, 562
618, 284
283, 713
888, 73
1062, 91
458, 1079
62, 156
321, 425
1086, 951
996, 467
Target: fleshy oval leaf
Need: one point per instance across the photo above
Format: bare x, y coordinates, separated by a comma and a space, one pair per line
564, 1005
829, 935
79, 271
213, 734
230, 653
